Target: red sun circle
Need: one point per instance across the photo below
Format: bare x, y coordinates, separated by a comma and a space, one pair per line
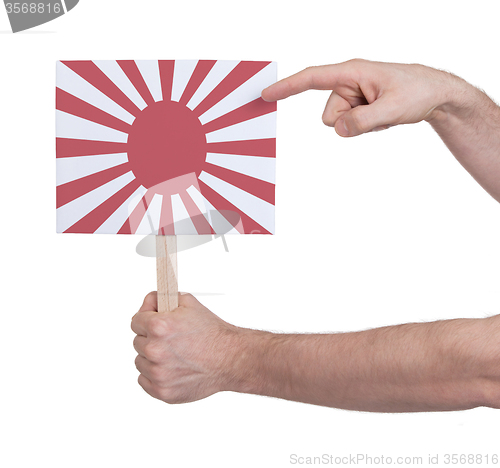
166, 141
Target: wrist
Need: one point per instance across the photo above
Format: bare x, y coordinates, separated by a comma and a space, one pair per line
247, 367
456, 99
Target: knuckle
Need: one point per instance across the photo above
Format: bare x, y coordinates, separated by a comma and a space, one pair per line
135, 342
157, 374
358, 119
310, 75
188, 296
310, 69
356, 61
137, 362
164, 394
171, 397
132, 322
356, 68
152, 352
187, 299
327, 119
155, 391
157, 326
141, 381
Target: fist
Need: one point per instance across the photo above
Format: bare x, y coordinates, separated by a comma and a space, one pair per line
183, 355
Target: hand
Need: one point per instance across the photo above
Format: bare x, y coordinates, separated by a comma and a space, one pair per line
369, 96
184, 355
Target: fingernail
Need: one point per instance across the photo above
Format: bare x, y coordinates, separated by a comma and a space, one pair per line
342, 128
264, 91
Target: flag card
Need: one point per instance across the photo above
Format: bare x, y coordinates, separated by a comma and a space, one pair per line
169, 147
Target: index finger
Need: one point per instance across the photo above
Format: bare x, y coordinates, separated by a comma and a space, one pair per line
140, 322
318, 77
140, 319
150, 302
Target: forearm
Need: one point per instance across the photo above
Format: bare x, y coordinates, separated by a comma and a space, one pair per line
469, 125
436, 366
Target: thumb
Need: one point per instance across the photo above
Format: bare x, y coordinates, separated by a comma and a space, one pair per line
365, 118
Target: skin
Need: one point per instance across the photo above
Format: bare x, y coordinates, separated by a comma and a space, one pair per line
371, 96
190, 353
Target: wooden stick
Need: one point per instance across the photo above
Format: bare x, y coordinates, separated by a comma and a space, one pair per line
166, 273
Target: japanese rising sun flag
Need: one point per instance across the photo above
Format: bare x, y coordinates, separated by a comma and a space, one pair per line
165, 147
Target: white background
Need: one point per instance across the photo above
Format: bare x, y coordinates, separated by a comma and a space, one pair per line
382, 229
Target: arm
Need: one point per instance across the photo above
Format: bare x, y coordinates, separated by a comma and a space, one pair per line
190, 353
438, 366
368, 96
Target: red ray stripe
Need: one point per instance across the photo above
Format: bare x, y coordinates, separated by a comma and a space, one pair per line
95, 218
241, 73
251, 110
199, 74
166, 217
72, 105
166, 76
259, 188
134, 75
250, 226
68, 147
200, 223
76, 188
264, 147
90, 72
135, 218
